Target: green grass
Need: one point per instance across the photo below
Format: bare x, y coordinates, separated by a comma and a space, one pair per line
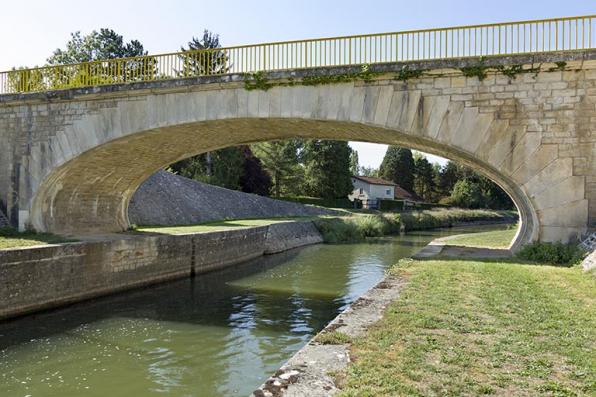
359, 225
464, 327
492, 239
214, 226
10, 238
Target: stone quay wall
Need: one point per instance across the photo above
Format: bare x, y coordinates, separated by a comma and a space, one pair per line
41, 277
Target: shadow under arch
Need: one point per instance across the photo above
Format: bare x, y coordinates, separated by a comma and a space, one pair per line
91, 192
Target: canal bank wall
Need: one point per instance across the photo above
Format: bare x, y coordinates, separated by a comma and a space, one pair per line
41, 277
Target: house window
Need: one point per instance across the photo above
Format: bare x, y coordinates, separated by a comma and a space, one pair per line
361, 191
388, 192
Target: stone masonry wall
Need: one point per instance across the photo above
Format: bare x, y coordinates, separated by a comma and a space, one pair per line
78, 155
41, 277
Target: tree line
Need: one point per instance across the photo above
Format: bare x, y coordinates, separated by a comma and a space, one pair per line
452, 184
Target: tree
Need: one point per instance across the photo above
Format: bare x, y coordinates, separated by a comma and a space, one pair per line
202, 58
466, 195
354, 163
280, 158
327, 169
254, 178
194, 167
487, 193
196, 64
398, 167
448, 177
423, 177
227, 167
369, 171
96, 46
99, 46
24, 79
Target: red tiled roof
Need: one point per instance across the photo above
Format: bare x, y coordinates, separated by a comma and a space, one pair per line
374, 181
403, 194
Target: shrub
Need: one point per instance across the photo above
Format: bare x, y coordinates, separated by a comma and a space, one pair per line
357, 228
337, 230
557, 254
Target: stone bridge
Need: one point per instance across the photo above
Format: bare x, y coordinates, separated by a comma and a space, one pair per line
71, 159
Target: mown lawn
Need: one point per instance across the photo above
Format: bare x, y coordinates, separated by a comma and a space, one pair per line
465, 327
492, 239
214, 226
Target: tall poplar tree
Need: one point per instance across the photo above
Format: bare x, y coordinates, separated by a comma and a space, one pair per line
423, 177
327, 169
398, 167
354, 163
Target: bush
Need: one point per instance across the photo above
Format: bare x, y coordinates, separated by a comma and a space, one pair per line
357, 228
557, 254
338, 230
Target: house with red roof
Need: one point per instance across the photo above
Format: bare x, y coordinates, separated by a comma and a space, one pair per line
370, 190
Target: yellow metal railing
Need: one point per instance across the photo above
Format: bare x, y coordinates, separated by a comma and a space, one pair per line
563, 34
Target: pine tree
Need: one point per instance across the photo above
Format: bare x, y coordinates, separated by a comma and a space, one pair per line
202, 57
280, 158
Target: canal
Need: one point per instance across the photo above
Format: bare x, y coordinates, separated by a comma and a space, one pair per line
220, 334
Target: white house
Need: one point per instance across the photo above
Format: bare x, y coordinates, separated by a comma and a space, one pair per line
370, 190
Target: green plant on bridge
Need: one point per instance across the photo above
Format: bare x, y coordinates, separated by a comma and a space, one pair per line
481, 69
406, 74
260, 81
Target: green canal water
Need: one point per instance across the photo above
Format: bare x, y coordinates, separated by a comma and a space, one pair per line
220, 334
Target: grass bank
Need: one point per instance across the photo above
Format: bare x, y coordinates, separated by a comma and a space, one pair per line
492, 239
214, 226
469, 327
10, 238
361, 225
477, 327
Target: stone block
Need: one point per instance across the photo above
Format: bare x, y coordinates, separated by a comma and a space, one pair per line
434, 111
572, 215
410, 105
535, 163
494, 134
383, 105
527, 145
479, 130
567, 191
464, 127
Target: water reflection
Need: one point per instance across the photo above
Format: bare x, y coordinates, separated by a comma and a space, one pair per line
220, 334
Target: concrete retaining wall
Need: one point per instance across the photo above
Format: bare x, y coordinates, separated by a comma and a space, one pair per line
46, 276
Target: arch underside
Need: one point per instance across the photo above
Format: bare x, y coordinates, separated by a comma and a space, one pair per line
90, 193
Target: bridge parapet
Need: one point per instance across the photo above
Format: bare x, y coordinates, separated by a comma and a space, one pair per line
502, 39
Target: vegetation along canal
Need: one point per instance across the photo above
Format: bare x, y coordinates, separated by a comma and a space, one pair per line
220, 334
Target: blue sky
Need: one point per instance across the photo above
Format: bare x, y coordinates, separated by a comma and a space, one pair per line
31, 31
